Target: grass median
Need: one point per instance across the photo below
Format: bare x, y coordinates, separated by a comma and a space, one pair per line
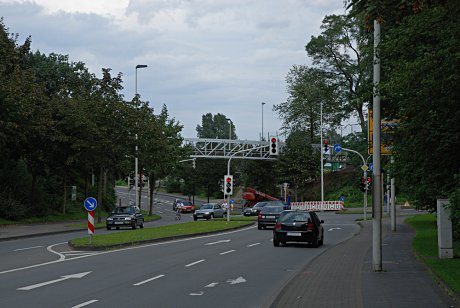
142, 235
425, 244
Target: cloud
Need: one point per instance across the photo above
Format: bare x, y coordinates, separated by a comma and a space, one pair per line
223, 56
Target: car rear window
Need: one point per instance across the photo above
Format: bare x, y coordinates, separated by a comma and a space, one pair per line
272, 209
294, 216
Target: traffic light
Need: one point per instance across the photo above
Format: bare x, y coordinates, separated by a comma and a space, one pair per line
273, 145
369, 183
363, 184
228, 182
131, 181
326, 147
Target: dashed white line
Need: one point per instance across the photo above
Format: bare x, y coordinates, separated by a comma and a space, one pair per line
255, 244
194, 263
148, 280
19, 249
85, 303
225, 252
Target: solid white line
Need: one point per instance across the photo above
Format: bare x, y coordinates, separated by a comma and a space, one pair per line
255, 244
148, 280
19, 249
218, 242
225, 252
191, 264
85, 303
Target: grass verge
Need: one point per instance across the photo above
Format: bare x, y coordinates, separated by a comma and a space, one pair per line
141, 235
425, 244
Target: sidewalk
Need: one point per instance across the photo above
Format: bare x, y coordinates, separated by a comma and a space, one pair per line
343, 277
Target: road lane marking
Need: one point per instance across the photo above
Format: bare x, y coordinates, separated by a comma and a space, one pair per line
194, 263
332, 229
225, 252
148, 280
42, 284
255, 244
197, 294
120, 250
218, 242
237, 280
19, 249
211, 285
85, 303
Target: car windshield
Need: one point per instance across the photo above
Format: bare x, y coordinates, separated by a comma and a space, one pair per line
186, 203
260, 204
123, 210
272, 209
206, 207
275, 203
295, 217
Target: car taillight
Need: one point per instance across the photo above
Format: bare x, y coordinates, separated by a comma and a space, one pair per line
311, 226
277, 225
259, 216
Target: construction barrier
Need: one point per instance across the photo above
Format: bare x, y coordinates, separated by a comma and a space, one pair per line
318, 205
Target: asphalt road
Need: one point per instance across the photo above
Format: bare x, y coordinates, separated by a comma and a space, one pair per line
239, 268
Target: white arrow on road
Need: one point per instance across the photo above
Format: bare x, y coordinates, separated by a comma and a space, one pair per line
237, 280
38, 285
332, 229
211, 285
223, 241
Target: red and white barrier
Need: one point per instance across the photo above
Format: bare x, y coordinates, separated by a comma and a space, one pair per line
90, 222
317, 205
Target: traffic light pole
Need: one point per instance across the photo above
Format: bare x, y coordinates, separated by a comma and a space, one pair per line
228, 172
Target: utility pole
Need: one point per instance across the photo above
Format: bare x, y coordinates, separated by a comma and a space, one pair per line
376, 158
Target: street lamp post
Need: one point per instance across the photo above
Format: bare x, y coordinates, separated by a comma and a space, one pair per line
136, 171
262, 136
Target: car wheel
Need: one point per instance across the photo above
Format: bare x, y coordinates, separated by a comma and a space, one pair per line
134, 226
315, 242
194, 218
276, 242
259, 227
108, 228
142, 225
321, 241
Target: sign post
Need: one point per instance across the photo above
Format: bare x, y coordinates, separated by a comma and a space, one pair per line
90, 205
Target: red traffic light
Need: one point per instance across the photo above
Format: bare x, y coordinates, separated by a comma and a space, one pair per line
228, 180
273, 139
326, 141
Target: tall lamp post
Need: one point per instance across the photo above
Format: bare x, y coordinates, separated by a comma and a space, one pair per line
136, 171
262, 136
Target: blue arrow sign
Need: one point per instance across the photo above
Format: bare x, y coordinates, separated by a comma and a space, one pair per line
90, 204
337, 147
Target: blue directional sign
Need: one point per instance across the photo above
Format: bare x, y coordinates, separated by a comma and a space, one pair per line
337, 147
90, 204
371, 167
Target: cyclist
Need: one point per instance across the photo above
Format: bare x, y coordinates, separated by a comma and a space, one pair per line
178, 211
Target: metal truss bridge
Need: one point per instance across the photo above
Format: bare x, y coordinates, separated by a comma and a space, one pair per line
226, 148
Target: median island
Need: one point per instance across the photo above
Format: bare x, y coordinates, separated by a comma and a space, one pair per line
125, 238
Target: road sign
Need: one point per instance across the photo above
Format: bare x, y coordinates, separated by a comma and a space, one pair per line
371, 167
364, 167
337, 148
90, 204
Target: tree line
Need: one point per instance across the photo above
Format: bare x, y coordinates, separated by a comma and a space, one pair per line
60, 124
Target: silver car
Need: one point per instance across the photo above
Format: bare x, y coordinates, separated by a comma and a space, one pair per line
208, 211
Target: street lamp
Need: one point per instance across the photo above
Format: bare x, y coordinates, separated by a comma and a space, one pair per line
262, 136
136, 172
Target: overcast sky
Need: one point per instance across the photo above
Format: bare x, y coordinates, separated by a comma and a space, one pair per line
218, 56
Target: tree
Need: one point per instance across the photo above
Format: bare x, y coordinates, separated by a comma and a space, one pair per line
342, 50
308, 88
299, 163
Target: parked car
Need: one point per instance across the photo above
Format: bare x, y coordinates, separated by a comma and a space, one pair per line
268, 216
255, 210
127, 216
298, 226
208, 211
